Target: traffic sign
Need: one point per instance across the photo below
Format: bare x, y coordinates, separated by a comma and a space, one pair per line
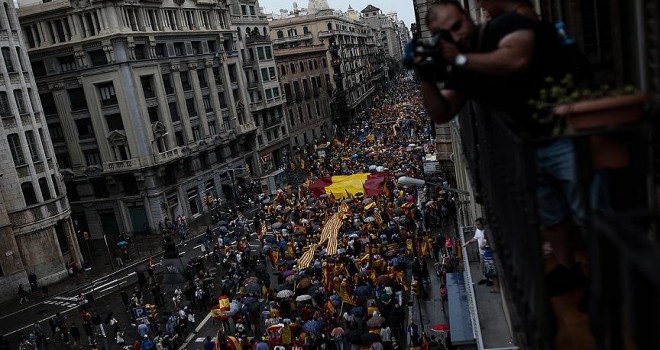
140, 313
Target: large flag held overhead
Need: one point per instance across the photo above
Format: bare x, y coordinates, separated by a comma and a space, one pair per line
371, 184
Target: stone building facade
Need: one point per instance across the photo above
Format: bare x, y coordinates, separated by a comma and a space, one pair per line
265, 95
350, 51
147, 106
37, 233
386, 28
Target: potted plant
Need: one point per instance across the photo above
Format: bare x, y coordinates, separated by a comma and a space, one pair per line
572, 110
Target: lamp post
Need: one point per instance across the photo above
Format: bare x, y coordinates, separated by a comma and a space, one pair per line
233, 183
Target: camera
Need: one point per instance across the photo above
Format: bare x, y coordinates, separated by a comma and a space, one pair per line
427, 53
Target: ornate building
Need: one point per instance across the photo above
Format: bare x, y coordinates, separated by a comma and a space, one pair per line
37, 234
265, 96
386, 29
350, 55
146, 103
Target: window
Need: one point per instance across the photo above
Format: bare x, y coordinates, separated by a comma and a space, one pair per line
161, 50
16, 150
282, 70
20, 102
292, 68
43, 186
56, 132
107, 92
212, 128
269, 52
252, 12
179, 49
179, 138
5, 109
174, 112
92, 157
77, 99
72, 191
114, 122
280, 34
55, 186
197, 135
208, 106
147, 86
244, 10
48, 103
201, 76
260, 53
28, 192
100, 188
190, 106
141, 52
32, 145
196, 47
6, 56
271, 73
269, 94
153, 114
98, 58
211, 45
38, 68
264, 74
85, 129
167, 83
276, 92
185, 81
305, 30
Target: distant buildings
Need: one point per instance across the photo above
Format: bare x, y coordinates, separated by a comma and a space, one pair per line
147, 104
37, 234
386, 28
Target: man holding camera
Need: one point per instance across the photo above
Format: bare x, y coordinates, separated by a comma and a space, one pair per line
501, 65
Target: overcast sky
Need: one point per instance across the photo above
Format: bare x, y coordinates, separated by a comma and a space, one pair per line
403, 7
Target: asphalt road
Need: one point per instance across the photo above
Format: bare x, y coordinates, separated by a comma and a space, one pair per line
107, 299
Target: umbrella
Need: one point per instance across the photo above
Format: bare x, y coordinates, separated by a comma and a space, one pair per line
287, 273
324, 195
383, 279
440, 327
266, 201
369, 338
253, 288
375, 321
369, 219
304, 283
304, 297
385, 298
312, 326
276, 225
353, 336
222, 223
122, 243
283, 294
250, 280
248, 300
274, 328
367, 201
290, 279
362, 291
356, 311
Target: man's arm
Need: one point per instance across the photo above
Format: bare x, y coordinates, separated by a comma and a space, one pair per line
470, 242
443, 105
513, 55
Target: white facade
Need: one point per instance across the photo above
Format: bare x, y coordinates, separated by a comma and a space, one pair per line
36, 231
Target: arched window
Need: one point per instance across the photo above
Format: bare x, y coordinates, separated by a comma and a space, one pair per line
330, 26
283, 70
280, 34
302, 66
255, 31
247, 32
316, 64
305, 30
265, 31
293, 68
325, 63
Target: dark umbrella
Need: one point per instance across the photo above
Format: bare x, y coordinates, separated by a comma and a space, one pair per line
369, 338
250, 280
253, 288
248, 300
375, 321
356, 311
276, 225
362, 291
312, 326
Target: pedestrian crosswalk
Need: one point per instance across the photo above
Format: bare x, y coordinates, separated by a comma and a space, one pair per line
63, 302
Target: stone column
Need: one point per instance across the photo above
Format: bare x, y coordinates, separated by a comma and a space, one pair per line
68, 125
213, 89
72, 240
199, 103
229, 94
242, 94
181, 102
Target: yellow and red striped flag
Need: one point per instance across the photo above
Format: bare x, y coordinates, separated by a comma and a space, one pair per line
330, 306
345, 297
307, 257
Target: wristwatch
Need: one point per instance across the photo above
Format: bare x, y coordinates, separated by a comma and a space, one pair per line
460, 60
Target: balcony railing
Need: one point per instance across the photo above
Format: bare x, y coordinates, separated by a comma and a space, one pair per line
292, 39
47, 209
245, 128
169, 155
122, 165
257, 39
622, 255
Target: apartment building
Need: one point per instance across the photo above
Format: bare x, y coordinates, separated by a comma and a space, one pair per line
348, 47
37, 233
147, 106
386, 28
266, 99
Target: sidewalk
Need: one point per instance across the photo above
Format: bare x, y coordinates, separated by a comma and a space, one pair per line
142, 247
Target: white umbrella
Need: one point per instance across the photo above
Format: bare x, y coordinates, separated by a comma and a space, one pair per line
380, 168
369, 219
304, 297
372, 167
283, 294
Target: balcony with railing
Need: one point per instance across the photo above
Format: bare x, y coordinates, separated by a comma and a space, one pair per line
168, 156
55, 209
121, 166
257, 40
621, 250
293, 39
245, 128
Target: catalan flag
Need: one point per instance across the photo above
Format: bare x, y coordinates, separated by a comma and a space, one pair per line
302, 164
345, 297
307, 257
330, 306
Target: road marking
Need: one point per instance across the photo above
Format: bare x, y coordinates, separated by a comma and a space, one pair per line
182, 253
192, 334
197, 246
65, 298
